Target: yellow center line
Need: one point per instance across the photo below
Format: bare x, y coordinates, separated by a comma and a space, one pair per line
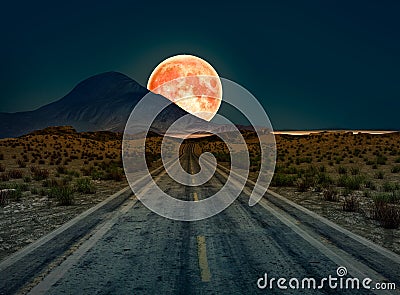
195, 197
203, 263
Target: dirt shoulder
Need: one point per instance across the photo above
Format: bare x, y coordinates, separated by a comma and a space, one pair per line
356, 222
33, 216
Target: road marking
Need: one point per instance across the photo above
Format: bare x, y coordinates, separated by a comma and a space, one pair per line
195, 197
57, 273
203, 263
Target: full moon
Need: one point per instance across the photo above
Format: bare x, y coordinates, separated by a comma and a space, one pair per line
199, 94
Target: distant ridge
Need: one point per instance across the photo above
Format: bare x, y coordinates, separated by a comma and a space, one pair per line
102, 102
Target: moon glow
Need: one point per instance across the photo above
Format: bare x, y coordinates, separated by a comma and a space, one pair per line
200, 94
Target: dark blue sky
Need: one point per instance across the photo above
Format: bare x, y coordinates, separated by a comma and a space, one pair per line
313, 65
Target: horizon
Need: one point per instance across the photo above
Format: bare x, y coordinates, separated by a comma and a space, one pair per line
227, 111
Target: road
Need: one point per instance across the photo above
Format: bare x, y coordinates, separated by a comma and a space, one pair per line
135, 251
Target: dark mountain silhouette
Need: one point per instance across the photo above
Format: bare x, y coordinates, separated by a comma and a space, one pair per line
102, 102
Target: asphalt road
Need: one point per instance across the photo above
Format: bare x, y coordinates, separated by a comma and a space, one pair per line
139, 252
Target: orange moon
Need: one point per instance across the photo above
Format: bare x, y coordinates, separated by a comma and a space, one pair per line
200, 94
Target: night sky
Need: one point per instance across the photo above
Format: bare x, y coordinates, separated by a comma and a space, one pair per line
313, 65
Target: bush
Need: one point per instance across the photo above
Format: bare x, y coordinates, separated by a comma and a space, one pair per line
3, 198
64, 195
283, 180
342, 170
85, 185
51, 183
5, 177
355, 170
381, 160
27, 179
395, 169
391, 198
331, 195
9, 194
15, 174
370, 184
379, 175
39, 173
304, 184
21, 163
390, 187
350, 182
61, 169
324, 179
388, 215
2, 168
351, 204
23, 187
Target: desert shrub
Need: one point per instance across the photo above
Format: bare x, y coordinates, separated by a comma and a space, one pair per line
4, 198
395, 169
114, 173
15, 174
342, 180
87, 171
34, 191
21, 163
283, 180
350, 182
39, 173
85, 185
64, 195
10, 194
7, 195
5, 176
342, 170
381, 160
379, 175
73, 173
51, 183
331, 194
324, 179
370, 184
391, 198
23, 187
390, 187
351, 204
386, 214
61, 169
303, 184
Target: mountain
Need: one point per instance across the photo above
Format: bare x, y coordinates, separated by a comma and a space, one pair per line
102, 102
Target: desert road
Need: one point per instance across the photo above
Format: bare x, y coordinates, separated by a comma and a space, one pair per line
132, 250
